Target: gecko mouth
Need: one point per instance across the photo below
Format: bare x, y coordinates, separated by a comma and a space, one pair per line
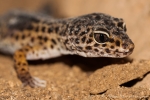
123, 54
126, 52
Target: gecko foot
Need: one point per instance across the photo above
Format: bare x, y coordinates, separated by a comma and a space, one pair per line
34, 82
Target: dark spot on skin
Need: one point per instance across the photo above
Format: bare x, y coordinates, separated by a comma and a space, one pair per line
23, 36
104, 45
125, 28
90, 17
83, 39
107, 22
112, 25
53, 41
77, 41
43, 29
76, 32
24, 64
62, 33
88, 30
111, 40
18, 63
71, 30
102, 53
96, 50
107, 50
30, 27
96, 45
20, 56
82, 33
37, 29
52, 46
34, 19
50, 30
17, 37
88, 47
116, 19
32, 39
45, 39
89, 41
57, 29
41, 43
91, 35
66, 41
26, 49
67, 49
117, 43
21, 50
40, 37
22, 69
58, 39
112, 47
117, 50
97, 17
120, 24
78, 27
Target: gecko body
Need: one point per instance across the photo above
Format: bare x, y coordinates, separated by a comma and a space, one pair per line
30, 37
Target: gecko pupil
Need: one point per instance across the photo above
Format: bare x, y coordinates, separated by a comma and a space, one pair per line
102, 38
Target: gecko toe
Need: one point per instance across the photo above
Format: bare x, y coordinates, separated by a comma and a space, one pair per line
35, 82
38, 82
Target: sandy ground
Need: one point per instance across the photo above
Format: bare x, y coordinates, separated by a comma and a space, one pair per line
78, 78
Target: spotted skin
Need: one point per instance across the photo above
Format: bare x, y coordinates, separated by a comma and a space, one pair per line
31, 36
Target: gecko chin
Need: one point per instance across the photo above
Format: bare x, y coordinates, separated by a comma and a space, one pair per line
122, 54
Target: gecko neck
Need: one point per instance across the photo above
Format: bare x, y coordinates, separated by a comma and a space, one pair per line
63, 32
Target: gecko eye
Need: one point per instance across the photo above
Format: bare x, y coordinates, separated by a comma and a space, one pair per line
101, 37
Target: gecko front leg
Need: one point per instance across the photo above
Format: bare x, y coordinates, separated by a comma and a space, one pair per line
22, 69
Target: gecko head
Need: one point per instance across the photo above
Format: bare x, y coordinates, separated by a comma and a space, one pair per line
100, 35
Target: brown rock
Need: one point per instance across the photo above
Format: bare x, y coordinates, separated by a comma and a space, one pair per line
115, 75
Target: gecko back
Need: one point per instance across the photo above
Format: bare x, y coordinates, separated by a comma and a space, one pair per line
17, 29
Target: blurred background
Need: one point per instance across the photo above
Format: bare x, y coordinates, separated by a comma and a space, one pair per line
136, 14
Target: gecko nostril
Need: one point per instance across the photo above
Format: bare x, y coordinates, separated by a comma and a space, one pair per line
124, 46
131, 49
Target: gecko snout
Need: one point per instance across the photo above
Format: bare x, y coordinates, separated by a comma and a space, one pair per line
128, 46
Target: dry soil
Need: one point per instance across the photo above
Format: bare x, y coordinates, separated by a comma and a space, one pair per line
78, 78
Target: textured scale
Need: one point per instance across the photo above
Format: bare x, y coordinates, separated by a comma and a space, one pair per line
33, 36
